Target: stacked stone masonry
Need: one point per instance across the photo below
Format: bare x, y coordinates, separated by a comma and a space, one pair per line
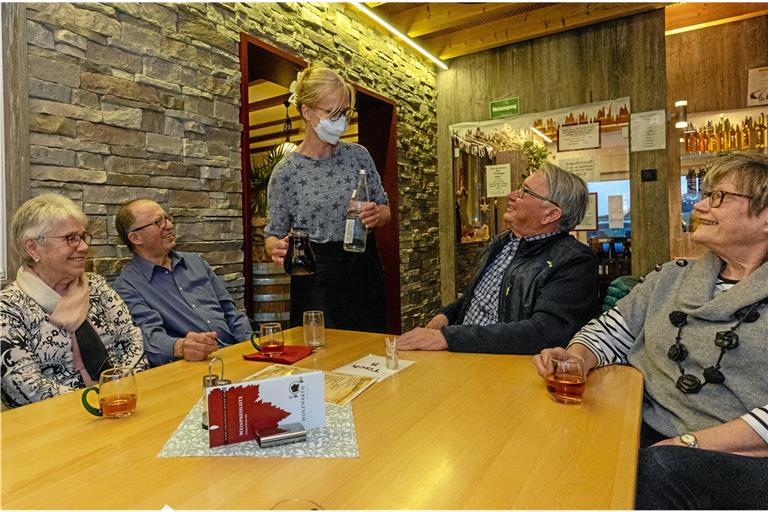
142, 100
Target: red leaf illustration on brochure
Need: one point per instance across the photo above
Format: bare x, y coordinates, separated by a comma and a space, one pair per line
235, 413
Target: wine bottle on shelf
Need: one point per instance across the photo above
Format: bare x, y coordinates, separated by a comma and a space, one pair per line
355, 233
721, 146
733, 139
703, 140
746, 140
760, 134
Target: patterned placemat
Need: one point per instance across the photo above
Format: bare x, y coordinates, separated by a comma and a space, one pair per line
337, 439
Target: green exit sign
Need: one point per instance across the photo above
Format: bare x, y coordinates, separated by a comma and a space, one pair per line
505, 108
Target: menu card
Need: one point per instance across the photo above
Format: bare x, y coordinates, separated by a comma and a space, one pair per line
340, 389
372, 366
237, 411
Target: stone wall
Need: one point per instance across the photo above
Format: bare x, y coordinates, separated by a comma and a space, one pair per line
142, 100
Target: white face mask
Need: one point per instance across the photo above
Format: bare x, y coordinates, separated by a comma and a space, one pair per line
330, 131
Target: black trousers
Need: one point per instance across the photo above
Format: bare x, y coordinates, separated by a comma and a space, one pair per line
677, 478
347, 287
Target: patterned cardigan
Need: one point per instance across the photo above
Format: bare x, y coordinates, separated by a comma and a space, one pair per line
36, 360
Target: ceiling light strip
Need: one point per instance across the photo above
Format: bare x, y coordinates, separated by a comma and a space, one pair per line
542, 135
399, 34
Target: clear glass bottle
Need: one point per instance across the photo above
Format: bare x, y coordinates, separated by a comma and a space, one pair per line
355, 232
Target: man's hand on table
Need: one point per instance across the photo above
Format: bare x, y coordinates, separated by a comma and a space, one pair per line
422, 338
195, 346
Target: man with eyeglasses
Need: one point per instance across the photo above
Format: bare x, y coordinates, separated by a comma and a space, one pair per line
180, 304
535, 286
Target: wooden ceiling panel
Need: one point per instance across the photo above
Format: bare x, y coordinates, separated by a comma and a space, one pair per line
552, 19
692, 16
452, 29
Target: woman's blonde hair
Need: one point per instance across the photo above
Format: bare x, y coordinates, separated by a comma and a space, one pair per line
317, 81
38, 215
749, 173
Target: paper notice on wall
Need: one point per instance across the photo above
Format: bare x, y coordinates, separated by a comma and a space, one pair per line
647, 131
616, 212
578, 136
498, 181
757, 86
585, 168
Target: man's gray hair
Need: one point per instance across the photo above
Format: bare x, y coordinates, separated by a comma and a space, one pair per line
36, 216
567, 190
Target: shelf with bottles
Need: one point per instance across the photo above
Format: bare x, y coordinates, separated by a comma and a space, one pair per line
719, 134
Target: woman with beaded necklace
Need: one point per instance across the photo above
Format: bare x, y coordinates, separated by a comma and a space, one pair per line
698, 332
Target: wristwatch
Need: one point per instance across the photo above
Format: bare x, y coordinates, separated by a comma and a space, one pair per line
689, 440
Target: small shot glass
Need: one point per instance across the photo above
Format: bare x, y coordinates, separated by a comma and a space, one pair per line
390, 344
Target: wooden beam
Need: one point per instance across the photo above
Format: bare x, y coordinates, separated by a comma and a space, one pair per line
270, 136
428, 18
277, 122
693, 16
269, 102
549, 20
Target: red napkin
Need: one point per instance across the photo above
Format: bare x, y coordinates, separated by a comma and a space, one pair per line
291, 354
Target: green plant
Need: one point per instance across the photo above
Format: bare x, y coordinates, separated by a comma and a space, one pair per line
536, 153
260, 175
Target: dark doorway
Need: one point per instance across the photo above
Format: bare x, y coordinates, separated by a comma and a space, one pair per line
267, 73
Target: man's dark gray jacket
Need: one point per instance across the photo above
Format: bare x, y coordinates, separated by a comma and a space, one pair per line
548, 292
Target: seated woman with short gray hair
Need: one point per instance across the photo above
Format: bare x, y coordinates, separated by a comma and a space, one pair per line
61, 327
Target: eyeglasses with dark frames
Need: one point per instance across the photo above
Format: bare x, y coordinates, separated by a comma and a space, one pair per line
716, 197
73, 240
336, 115
525, 190
161, 223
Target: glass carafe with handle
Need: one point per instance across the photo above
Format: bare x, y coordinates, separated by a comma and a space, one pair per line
300, 259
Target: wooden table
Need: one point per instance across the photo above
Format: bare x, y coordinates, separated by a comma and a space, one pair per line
452, 431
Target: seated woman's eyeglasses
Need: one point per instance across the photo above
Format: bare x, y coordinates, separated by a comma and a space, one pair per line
716, 197
161, 223
74, 239
525, 190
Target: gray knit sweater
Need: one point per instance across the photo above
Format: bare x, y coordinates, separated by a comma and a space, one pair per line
645, 314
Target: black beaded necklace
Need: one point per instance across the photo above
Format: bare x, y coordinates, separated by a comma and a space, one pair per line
725, 340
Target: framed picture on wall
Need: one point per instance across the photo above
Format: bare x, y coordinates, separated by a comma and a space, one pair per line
589, 223
578, 136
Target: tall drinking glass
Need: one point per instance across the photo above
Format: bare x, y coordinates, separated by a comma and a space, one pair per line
314, 329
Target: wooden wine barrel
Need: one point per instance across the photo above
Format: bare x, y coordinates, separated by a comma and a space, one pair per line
271, 294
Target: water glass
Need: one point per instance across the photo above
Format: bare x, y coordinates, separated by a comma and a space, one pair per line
314, 329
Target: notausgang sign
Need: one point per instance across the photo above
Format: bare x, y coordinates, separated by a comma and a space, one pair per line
505, 108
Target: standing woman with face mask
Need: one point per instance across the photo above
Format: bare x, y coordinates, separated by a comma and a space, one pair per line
310, 189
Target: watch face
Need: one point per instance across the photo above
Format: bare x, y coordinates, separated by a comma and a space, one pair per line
688, 439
